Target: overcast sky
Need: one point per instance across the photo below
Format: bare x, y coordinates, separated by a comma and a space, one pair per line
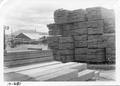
26, 14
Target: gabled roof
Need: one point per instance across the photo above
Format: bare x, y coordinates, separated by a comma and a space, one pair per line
34, 36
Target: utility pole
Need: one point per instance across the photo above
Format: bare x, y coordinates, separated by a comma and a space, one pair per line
35, 28
5, 28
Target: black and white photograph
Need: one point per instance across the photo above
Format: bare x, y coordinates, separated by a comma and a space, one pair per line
59, 41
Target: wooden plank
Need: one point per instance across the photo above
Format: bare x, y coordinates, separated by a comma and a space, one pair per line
27, 52
37, 71
63, 75
27, 61
96, 75
48, 71
26, 56
79, 66
14, 76
84, 75
16, 69
34, 49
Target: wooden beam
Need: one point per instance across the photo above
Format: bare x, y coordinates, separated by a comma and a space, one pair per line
63, 75
54, 69
84, 75
27, 61
40, 71
16, 69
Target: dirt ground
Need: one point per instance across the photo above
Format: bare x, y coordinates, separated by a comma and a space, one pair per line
107, 72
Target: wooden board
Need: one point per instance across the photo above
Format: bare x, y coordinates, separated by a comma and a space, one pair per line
16, 69
78, 67
38, 71
84, 75
63, 75
43, 71
27, 61
27, 56
27, 52
16, 56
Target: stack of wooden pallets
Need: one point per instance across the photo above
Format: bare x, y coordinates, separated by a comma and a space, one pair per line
51, 71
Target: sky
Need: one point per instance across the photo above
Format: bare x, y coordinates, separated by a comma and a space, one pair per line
36, 14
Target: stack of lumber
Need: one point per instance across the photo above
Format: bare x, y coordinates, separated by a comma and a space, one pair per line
101, 22
12, 59
96, 13
65, 49
55, 29
64, 16
90, 31
95, 41
80, 47
60, 16
110, 47
50, 71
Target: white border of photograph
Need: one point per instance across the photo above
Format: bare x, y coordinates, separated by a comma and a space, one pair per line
91, 83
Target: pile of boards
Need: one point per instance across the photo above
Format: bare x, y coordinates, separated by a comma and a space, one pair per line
20, 58
85, 35
51, 71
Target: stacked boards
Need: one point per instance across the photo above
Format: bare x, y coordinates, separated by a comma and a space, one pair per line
83, 35
12, 59
51, 71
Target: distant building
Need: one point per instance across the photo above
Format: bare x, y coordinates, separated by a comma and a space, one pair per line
28, 31
29, 36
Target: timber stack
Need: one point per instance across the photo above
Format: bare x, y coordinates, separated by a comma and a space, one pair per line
83, 35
